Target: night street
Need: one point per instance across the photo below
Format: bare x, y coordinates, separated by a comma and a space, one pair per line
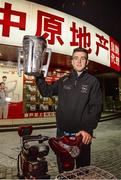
106, 150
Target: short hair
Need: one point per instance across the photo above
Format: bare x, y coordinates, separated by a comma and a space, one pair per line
4, 77
2, 83
80, 49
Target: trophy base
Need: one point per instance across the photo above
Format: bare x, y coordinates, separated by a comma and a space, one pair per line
33, 73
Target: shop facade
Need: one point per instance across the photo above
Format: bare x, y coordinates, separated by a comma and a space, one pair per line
63, 33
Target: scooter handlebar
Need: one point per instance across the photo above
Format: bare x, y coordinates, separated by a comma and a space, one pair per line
39, 138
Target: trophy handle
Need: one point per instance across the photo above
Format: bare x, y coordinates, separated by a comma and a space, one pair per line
20, 61
46, 66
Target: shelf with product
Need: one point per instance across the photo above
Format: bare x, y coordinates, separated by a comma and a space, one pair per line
29, 94
33, 100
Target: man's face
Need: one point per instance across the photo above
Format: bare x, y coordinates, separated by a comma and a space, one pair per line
4, 79
2, 86
79, 61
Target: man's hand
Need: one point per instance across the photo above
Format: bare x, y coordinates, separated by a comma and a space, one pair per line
86, 137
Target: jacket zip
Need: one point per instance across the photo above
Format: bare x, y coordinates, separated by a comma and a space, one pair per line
75, 83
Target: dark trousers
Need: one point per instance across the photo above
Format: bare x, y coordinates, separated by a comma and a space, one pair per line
82, 160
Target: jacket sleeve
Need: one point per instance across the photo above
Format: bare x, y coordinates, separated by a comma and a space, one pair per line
93, 110
46, 89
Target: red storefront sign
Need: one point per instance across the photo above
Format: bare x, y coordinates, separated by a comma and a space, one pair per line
63, 32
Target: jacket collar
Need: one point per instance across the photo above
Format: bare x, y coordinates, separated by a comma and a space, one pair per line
75, 75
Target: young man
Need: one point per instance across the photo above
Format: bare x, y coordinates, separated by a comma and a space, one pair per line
79, 103
4, 102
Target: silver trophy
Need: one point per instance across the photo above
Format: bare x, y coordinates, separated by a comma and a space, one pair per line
32, 55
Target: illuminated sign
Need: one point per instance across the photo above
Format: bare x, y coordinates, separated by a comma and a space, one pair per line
62, 31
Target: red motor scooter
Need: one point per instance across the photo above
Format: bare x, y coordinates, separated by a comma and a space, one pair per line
31, 162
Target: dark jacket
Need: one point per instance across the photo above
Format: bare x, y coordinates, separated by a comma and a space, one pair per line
79, 101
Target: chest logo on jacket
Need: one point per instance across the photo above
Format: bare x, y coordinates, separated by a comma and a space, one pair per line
84, 88
67, 87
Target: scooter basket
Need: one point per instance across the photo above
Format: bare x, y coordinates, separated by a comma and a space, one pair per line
88, 172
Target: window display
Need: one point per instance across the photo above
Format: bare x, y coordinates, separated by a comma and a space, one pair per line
34, 104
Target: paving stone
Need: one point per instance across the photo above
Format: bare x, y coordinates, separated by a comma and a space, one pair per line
106, 150
2, 172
